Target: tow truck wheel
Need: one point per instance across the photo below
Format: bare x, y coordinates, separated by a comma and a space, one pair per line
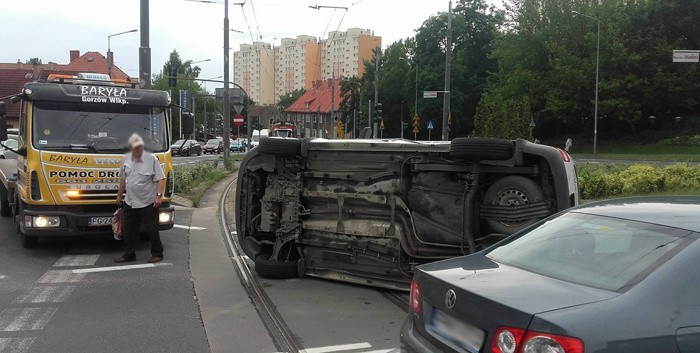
5, 209
512, 191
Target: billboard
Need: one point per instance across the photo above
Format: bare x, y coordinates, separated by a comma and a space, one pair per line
686, 56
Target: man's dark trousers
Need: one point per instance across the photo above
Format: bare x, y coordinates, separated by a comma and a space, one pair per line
133, 218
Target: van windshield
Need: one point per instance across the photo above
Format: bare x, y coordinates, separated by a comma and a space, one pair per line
97, 128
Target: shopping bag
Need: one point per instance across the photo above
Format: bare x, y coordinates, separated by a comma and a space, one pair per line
117, 223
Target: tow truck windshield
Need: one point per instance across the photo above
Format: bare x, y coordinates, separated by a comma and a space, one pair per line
97, 129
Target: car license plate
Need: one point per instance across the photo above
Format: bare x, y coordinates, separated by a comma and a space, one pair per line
99, 221
457, 332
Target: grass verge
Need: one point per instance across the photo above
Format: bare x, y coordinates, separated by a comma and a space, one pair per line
193, 181
641, 152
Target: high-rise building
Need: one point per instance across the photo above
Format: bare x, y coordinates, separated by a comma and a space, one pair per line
297, 64
254, 70
344, 53
267, 73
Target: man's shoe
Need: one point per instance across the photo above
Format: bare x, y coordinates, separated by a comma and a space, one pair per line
155, 259
121, 260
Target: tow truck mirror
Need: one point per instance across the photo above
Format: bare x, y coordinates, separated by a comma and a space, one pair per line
3, 124
187, 123
3, 110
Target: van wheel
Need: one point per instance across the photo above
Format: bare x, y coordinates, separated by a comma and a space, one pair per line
512, 191
280, 146
274, 269
481, 148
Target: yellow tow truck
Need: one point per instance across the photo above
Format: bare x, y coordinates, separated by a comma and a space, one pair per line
72, 139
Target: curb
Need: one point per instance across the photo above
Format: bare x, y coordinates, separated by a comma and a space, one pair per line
178, 200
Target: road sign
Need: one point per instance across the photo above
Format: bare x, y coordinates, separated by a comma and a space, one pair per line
532, 124
686, 56
185, 99
381, 126
238, 120
430, 94
416, 130
430, 125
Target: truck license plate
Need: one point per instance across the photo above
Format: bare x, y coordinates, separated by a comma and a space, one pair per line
99, 221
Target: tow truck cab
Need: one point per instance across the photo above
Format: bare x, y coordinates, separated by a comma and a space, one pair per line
72, 139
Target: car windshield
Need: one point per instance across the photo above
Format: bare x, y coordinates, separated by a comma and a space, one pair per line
178, 142
97, 128
282, 133
595, 251
213, 142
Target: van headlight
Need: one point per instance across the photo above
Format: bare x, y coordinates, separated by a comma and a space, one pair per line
165, 217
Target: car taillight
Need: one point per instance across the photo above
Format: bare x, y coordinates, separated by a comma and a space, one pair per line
414, 299
517, 340
564, 156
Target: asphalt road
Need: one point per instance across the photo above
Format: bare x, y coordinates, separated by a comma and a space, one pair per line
51, 302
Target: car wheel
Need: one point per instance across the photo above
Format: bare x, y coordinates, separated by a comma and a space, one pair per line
280, 146
481, 148
199, 153
512, 191
274, 269
2, 156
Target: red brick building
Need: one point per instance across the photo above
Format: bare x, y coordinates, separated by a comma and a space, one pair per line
311, 113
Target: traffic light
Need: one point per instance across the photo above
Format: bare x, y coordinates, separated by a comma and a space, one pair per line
404, 125
377, 112
172, 79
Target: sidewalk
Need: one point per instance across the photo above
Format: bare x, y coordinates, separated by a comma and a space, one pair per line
230, 320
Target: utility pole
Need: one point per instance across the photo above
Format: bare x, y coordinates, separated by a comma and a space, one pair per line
333, 95
227, 98
402, 120
354, 123
448, 64
376, 88
369, 114
144, 49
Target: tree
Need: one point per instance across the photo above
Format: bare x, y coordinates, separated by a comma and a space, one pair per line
186, 73
288, 99
351, 104
34, 61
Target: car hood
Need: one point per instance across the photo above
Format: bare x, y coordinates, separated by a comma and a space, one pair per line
481, 278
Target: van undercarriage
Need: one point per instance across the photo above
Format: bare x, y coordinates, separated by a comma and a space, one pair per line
369, 211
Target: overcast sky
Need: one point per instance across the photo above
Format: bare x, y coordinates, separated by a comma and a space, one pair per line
48, 29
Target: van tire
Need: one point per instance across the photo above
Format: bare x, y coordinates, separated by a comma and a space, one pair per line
514, 190
280, 146
274, 269
481, 148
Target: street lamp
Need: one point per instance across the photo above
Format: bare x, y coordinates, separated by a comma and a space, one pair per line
109, 49
199, 61
597, 70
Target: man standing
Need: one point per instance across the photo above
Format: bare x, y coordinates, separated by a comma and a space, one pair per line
144, 181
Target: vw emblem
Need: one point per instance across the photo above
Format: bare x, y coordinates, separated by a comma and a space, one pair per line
450, 298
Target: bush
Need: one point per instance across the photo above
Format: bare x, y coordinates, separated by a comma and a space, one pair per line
681, 141
598, 181
193, 181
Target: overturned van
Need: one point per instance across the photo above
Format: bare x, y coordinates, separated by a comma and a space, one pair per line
369, 211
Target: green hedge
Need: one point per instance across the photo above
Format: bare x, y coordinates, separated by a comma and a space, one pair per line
599, 181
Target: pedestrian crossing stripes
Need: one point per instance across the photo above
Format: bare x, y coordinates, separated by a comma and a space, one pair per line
76, 260
15, 345
61, 276
25, 319
45, 294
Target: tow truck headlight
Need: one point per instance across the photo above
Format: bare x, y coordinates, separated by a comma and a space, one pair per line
45, 221
165, 217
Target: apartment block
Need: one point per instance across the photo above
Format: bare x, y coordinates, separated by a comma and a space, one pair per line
267, 72
254, 70
297, 64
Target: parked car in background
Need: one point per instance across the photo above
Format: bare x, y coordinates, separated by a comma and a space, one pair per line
257, 135
213, 146
12, 143
238, 145
186, 148
615, 276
